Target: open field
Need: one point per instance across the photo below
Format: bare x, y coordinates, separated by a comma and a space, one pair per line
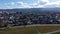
45, 29
57, 33
29, 30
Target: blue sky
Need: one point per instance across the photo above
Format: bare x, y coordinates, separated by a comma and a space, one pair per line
9, 4
27, 1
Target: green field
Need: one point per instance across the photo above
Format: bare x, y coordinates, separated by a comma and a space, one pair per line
29, 30
57, 33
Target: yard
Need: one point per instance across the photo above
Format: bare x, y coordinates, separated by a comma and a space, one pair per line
29, 30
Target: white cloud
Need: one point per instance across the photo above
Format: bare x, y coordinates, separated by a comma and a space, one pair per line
23, 5
20, 3
9, 5
39, 4
47, 4
42, 2
52, 4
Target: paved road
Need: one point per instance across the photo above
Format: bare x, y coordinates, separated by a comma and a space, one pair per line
34, 25
37, 25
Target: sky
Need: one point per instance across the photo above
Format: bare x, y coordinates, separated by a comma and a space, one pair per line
10, 4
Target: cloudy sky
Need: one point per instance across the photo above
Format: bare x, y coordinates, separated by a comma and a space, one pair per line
9, 4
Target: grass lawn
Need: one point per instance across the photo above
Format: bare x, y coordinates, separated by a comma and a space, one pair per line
45, 29
57, 33
29, 30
